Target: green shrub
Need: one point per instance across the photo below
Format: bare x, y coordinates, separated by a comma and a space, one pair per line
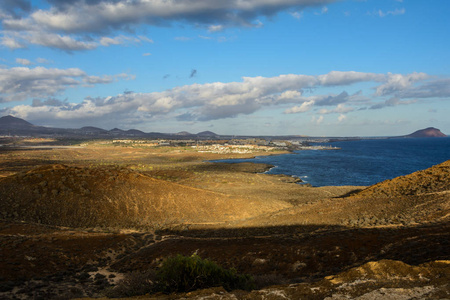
184, 274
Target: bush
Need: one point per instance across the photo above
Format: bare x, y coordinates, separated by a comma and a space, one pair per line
184, 274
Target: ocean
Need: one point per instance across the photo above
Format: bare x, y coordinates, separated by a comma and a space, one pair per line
359, 162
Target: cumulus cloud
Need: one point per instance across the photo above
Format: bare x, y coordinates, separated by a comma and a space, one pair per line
304, 107
20, 39
11, 42
70, 25
21, 83
438, 87
15, 40
101, 16
212, 101
399, 82
23, 61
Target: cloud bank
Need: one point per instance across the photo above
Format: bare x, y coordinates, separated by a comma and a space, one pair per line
22, 83
214, 101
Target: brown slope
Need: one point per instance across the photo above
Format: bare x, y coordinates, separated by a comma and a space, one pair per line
113, 197
420, 197
432, 180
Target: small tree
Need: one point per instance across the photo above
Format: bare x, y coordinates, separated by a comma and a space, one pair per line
185, 274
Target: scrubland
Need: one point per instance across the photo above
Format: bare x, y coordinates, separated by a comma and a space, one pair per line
81, 221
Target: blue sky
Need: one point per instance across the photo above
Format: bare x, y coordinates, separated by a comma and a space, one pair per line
268, 67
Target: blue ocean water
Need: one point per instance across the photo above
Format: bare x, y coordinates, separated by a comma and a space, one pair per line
359, 162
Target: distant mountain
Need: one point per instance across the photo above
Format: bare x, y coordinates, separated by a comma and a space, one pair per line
427, 132
135, 132
10, 125
13, 122
207, 134
183, 133
92, 129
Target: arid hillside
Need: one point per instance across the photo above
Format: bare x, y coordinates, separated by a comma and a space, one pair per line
82, 221
113, 197
418, 198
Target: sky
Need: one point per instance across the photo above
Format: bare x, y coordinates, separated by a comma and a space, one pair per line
239, 67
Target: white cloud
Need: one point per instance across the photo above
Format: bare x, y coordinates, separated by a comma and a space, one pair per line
121, 39
346, 78
398, 82
215, 28
340, 108
103, 15
11, 42
71, 25
396, 12
341, 118
297, 14
317, 120
23, 61
323, 11
58, 41
41, 60
290, 95
210, 101
304, 107
21, 83
145, 39
15, 40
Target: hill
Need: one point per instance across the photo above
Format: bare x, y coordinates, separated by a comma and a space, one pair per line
427, 132
13, 122
421, 197
116, 197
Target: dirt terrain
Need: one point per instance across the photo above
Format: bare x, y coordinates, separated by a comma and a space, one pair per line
76, 220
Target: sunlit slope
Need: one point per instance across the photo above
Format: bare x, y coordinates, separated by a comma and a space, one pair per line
420, 197
117, 197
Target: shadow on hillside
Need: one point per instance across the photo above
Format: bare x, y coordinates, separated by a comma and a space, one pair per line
297, 252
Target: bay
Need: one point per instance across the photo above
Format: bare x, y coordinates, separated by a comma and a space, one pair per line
359, 162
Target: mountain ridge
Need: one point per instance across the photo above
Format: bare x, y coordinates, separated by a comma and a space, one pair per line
10, 125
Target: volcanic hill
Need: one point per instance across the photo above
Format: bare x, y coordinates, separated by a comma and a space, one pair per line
427, 132
116, 198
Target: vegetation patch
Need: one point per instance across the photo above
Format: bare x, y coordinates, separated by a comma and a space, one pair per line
180, 274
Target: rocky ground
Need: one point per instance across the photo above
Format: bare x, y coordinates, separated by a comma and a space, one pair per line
75, 222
